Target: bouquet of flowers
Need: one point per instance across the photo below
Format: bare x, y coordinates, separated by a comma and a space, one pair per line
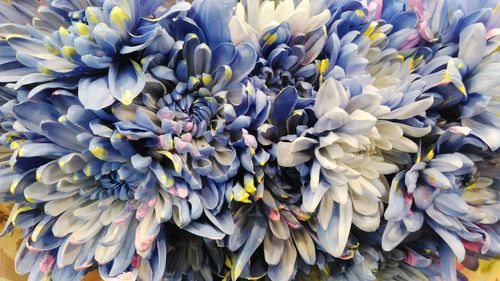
272, 140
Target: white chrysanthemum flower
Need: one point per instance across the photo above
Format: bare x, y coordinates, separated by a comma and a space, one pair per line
342, 155
253, 18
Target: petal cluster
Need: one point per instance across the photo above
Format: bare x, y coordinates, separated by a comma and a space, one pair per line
250, 140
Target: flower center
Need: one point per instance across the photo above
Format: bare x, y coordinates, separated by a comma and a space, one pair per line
112, 185
191, 105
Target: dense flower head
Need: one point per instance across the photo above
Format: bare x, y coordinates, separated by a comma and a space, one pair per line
289, 60
445, 191
297, 140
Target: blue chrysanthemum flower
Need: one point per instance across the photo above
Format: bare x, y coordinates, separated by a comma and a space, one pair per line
290, 120
96, 185
289, 60
462, 84
78, 202
264, 204
445, 190
101, 49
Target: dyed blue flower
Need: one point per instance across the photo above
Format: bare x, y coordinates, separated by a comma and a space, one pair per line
444, 190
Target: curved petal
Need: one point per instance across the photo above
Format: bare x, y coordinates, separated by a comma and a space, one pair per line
94, 94
126, 81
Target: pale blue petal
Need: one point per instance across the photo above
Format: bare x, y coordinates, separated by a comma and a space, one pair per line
126, 80
472, 45
94, 93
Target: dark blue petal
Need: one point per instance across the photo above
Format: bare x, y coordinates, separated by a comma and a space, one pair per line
222, 55
183, 26
244, 62
254, 240
213, 17
283, 106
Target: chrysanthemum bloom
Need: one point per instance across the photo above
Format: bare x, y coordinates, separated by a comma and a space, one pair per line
444, 191
177, 123
335, 146
344, 142
95, 187
76, 208
269, 237
101, 49
292, 115
254, 18
289, 59
266, 205
464, 62
289, 41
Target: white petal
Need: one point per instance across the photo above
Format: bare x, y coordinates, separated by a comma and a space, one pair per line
317, 21
266, 13
240, 31
330, 95
405, 145
365, 222
284, 10
410, 110
67, 253
361, 122
273, 249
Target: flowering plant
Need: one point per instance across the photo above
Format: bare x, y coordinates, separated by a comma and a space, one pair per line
296, 140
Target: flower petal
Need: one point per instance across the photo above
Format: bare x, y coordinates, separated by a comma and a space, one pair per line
254, 240
334, 238
94, 94
283, 106
213, 17
472, 45
126, 80
305, 245
285, 268
331, 95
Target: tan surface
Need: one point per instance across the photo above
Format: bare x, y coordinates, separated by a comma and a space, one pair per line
8, 249
488, 271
